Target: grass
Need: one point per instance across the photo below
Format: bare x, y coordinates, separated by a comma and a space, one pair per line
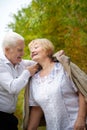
19, 111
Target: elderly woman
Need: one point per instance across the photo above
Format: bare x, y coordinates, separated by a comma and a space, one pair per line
53, 93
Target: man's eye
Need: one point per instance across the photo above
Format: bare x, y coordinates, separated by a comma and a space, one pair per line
20, 50
36, 47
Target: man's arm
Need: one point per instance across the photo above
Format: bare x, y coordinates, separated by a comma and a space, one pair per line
14, 84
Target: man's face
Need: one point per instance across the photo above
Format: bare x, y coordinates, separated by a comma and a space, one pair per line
15, 53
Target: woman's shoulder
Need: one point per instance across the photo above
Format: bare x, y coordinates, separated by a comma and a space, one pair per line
58, 65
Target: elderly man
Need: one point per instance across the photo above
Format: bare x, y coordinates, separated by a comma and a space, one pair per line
14, 75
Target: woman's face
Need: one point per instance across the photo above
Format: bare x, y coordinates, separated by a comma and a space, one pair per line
37, 52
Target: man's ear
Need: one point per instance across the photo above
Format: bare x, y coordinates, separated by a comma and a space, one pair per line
7, 49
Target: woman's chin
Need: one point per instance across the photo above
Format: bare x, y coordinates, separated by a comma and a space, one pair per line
34, 59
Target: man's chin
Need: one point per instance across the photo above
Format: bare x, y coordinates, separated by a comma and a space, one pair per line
19, 60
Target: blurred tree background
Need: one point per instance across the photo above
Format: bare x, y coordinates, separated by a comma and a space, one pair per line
64, 22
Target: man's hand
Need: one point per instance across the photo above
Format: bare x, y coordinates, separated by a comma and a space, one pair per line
33, 69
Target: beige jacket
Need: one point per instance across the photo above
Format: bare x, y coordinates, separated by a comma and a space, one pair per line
75, 73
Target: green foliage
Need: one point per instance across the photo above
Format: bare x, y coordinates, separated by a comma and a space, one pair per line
62, 22
19, 110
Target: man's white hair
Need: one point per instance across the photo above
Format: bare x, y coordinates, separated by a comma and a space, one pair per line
11, 39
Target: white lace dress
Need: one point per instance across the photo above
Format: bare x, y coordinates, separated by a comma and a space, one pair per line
57, 97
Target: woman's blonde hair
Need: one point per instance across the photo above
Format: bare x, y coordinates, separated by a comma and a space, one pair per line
45, 43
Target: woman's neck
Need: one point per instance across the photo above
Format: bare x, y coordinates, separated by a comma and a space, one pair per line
47, 66
46, 63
